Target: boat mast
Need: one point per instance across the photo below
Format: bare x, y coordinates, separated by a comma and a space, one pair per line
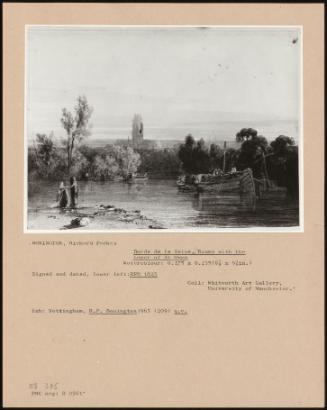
265, 169
224, 159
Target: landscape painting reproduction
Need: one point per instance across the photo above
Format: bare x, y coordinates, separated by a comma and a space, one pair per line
163, 127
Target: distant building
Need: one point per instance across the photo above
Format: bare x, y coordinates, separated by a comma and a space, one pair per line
138, 142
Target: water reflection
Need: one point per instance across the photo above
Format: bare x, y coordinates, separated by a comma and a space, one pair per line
233, 210
161, 201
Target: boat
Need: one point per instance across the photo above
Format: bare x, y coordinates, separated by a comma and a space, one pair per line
185, 183
239, 186
133, 179
227, 182
235, 188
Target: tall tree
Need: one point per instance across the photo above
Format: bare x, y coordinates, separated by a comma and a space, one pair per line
215, 156
252, 151
201, 158
45, 148
283, 164
45, 155
76, 126
281, 144
186, 152
245, 134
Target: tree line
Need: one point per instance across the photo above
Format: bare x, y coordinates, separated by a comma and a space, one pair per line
48, 159
277, 161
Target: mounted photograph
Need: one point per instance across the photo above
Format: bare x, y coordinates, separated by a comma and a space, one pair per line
173, 128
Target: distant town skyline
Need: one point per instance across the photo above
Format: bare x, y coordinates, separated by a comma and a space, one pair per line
181, 80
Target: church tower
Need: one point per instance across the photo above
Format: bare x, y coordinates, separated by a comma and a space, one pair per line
137, 131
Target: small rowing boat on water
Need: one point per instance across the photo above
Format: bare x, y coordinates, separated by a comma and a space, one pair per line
133, 179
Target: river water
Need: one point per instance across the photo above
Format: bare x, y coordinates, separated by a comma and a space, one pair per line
158, 200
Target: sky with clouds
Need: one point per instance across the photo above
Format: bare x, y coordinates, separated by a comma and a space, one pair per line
178, 79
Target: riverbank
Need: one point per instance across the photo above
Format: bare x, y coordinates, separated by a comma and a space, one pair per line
90, 218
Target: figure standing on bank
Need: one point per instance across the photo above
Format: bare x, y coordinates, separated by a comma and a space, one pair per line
62, 196
73, 192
